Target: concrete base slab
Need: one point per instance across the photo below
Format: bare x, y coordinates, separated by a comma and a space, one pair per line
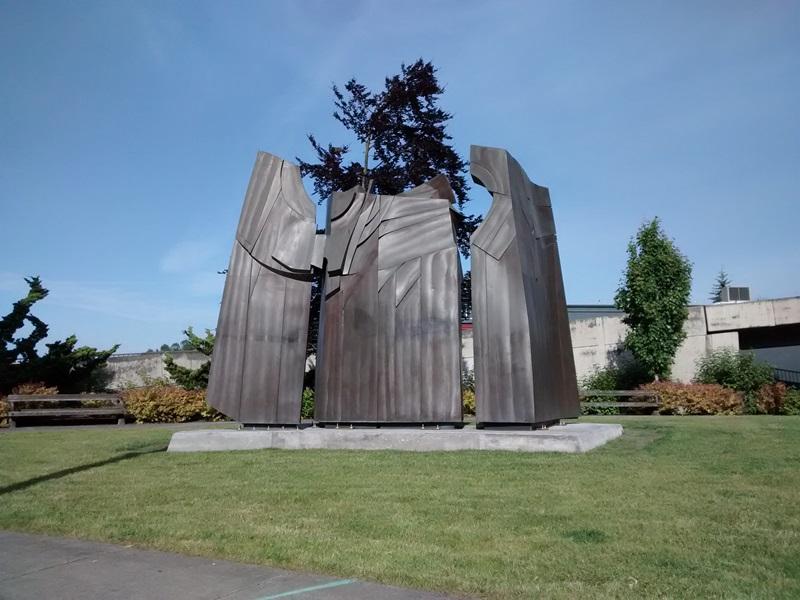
571, 438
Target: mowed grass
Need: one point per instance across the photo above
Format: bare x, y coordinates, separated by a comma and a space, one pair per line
678, 507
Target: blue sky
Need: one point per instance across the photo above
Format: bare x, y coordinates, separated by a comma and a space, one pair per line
128, 131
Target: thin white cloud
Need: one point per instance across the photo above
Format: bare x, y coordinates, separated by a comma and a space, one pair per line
208, 283
130, 304
188, 257
11, 282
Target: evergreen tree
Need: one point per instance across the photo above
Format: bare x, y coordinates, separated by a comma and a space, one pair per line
720, 282
654, 295
403, 133
66, 366
466, 296
192, 379
317, 281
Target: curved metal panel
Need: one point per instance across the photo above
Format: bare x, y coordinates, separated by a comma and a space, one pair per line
524, 367
259, 355
389, 344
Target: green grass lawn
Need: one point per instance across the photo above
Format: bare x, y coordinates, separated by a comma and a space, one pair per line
677, 507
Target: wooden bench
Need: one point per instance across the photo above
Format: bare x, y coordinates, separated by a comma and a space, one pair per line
46, 406
652, 403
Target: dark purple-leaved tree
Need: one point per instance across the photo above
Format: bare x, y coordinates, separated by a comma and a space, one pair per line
402, 131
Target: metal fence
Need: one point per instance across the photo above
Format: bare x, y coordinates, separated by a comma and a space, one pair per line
788, 377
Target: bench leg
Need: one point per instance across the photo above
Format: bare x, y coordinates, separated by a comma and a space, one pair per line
12, 424
121, 421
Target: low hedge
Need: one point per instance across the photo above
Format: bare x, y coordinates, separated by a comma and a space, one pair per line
24, 389
791, 402
777, 399
696, 398
164, 403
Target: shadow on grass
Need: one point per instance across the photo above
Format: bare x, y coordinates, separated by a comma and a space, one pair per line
21, 485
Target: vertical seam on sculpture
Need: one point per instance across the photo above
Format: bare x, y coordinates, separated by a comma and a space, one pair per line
280, 354
244, 354
484, 326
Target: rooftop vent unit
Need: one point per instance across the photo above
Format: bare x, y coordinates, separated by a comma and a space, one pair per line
734, 294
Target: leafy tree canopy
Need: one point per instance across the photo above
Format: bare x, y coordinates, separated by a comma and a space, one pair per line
66, 366
654, 295
403, 132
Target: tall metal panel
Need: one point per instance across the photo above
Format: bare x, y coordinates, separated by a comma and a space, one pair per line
524, 367
259, 355
389, 343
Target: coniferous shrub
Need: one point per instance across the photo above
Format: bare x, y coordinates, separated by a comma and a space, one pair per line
192, 379
65, 365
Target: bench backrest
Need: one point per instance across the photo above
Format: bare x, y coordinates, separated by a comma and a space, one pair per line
113, 399
618, 394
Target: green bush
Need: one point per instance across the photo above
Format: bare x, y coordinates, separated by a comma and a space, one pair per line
468, 380
620, 375
696, 398
791, 402
601, 379
624, 375
468, 392
163, 403
739, 371
307, 406
468, 401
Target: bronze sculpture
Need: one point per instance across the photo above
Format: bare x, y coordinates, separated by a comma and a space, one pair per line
524, 368
389, 339
389, 343
259, 355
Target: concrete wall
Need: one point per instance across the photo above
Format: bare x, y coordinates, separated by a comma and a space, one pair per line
596, 341
467, 348
746, 315
136, 369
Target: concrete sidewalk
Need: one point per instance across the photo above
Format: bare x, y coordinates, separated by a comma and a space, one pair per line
35, 566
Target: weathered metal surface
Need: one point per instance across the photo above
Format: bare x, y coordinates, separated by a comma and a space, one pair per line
524, 367
389, 342
259, 355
